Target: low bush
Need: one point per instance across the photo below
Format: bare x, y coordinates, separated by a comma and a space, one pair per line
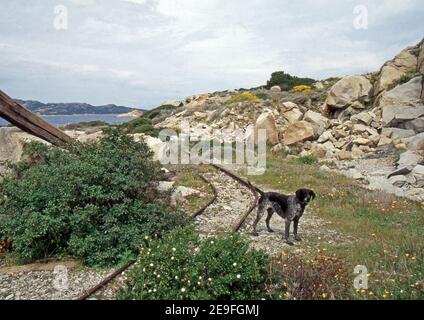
286, 81
408, 76
85, 124
180, 266
94, 202
262, 95
140, 125
307, 160
241, 97
144, 124
157, 111
319, 278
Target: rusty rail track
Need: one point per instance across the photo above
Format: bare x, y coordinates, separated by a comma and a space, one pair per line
248, 185
105, 281
212, 200
235, 228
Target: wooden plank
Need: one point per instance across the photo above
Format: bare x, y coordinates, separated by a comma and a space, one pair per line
31, 123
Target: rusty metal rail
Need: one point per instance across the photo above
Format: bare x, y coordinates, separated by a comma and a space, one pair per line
212, 200
106, 281
248, 185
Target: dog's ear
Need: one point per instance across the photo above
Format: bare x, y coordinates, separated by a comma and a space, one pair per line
300, 195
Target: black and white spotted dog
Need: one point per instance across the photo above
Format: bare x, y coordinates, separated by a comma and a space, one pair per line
290, 208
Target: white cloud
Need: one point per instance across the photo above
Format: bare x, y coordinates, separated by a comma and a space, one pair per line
141, 52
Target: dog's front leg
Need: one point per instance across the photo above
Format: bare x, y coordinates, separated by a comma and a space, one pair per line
287, 232
296, 223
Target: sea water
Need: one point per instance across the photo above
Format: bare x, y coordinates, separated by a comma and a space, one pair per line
60, 120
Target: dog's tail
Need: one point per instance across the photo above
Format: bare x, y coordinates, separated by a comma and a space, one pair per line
256, 188
261, 198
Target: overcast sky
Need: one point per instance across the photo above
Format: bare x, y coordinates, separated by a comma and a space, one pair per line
139, 53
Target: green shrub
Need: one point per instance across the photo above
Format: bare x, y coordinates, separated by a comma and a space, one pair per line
157, 111
85, 124
262, 95
286, 82
407, 77
307, 160
180, 266
94, 202
144, 124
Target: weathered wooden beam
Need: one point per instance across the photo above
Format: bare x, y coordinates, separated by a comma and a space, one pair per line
30, 123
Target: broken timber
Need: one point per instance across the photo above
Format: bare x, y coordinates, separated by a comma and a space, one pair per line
30, 123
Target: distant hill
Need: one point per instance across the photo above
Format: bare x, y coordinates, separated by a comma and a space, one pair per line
72, 108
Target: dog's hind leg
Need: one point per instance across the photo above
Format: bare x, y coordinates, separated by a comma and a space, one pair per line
268, 218
259, 214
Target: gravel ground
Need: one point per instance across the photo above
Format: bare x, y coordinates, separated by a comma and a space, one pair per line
35, 283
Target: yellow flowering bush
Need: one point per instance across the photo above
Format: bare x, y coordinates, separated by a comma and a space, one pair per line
302, 88
244, 96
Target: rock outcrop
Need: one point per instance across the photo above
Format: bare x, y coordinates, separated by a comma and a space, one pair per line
352, 91
393, 70
402, 106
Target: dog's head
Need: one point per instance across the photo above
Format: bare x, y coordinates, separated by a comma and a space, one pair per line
305, 195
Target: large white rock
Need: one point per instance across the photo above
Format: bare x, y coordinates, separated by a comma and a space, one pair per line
158, 147
267, 121
396, 133
289, 105
293, 115
12, 141
364, 117
410, 159
181, 193
165, 186
418, 174
327, 135
317, 119
298, 132
383, 184
347, 91
415, 142
403, 103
